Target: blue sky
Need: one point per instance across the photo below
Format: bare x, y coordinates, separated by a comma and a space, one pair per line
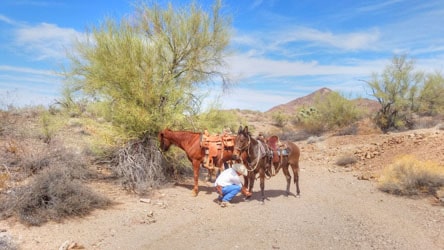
283, 49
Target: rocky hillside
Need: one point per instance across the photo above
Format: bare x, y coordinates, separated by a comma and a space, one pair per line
365, 104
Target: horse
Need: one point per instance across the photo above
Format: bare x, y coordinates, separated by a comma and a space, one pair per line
259, 161
190, 142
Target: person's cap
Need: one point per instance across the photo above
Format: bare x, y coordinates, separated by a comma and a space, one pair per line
240, 168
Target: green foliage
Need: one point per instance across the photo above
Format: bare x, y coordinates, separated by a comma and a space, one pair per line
312, 123
50, 125
396, 89
142, 73
306, 112
215, 121
431, 98
280, 119
336, 111
329, 111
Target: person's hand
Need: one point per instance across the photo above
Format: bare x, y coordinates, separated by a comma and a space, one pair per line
219, 190
246, 192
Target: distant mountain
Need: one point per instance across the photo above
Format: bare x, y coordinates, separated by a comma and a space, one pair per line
308, 100
305, 101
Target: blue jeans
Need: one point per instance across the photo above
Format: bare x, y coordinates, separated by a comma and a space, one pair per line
230, 191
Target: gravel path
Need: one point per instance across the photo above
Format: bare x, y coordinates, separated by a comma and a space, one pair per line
335, 211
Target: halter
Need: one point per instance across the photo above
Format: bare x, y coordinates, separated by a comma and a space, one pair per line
247, 147
244, 147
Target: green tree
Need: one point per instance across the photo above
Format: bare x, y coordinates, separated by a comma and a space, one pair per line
145, 70
431, 98
336, 111
396, 89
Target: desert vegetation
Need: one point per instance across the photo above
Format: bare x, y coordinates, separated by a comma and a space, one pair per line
121, 90
410, 176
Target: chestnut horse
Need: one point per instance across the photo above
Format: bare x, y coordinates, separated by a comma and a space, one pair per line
190, 143
258, 160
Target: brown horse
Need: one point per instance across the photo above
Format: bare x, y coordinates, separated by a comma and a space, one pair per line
258, 160
190, 142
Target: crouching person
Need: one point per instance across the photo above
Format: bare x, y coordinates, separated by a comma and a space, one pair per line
228, 184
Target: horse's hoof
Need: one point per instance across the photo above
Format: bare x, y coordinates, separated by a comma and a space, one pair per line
298, 196
194, 193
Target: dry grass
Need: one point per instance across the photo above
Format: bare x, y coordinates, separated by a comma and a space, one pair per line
408, 176
139, 165
54, 194
6, 243
346, 160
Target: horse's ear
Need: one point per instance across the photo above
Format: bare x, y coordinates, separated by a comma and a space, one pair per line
246, 130
240, 130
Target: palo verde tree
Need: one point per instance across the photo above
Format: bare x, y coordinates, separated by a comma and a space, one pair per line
431, 97
144, 70
396, 89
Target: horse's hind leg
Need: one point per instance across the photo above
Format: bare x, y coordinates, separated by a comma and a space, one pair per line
262, 184
287, 178
296, 178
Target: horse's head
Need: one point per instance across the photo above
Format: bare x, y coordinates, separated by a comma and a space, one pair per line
241, 143
164, 142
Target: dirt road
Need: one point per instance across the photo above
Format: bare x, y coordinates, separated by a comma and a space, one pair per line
335, 211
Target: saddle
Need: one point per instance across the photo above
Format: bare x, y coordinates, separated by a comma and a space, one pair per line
214, 146
277, 148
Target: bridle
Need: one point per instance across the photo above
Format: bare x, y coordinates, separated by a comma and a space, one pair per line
247, 148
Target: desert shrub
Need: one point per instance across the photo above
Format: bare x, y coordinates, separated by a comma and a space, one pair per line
279, 119
346, 160
31, 162
313, 126
348, 130
6, 243
293, 135
54, 194
420, 122
336, 111
139, 165
408, 176
216, 120
314, 139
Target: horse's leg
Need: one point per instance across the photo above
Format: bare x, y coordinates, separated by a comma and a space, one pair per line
288, 178
251, 181
196, 168
295, 168
209, 175
262, 184
246, 187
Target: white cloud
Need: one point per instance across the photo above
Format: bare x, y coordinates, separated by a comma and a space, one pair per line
26, 70
245, 66
7, 20
45, 41
345, 41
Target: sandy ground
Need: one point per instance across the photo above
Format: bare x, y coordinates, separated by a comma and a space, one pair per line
336, 210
